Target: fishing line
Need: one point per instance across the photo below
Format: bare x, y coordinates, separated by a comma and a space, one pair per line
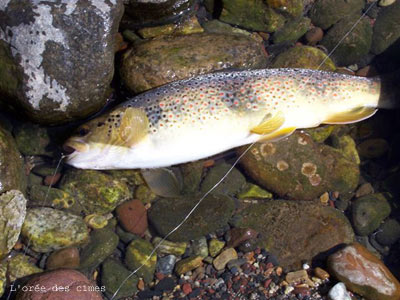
232, 167
41, 205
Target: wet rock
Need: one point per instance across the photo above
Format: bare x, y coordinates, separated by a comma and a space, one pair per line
389, 232
12, 175
239, 235
113, 275
298, 277
137, 254
215, 246
50, 62
61, 285
386, 28
363, 273
321, 133
166, 264
355, 46
102, 244
40, 195
215, 26
95, 191
12, 215
326, 13
321, 273
292, 8
167, 247
292, 31
145, 13
125, 236
162, 60
132, 178
3, 278
63, 258
188, 26
231, 185
314, 35
253, 191
253, 15
224, 257
50, 229
20, 266
364, 189
191, 175
368, 212
96, 221
166, 284
278, 223
339, 292
133, 216
199, 247
347, 146
188, 264
373, 148
298, 168
32, 139
213, 213
304, 57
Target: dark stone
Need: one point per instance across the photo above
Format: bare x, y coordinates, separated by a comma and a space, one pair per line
166, 284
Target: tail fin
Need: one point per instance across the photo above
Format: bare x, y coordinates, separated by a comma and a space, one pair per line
390, 91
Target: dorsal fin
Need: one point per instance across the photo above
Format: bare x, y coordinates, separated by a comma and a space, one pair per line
269, 124
351, 116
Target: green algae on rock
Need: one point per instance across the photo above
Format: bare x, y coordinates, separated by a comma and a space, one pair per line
168, 247
292, 31
20, 266
136, 255
12, 175
102, 244
325, 13
51, 229
213, 213
251, 14
12, 215
188, 264
40, 195
300, 169
95, 191
304, 57
254, 191
169, 58
32, 139
321, 133
347, 147
295, 230
386, 28
3, 277
368, 212
355, 46
113, 275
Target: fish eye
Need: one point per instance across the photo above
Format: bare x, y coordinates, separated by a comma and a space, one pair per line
83, 131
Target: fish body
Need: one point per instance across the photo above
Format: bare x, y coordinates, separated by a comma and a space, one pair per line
198, 117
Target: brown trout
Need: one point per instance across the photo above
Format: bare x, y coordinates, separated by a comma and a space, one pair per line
198, 117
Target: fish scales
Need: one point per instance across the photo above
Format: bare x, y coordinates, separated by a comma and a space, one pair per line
204, 115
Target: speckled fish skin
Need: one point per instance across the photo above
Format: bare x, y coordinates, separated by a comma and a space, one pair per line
199, 117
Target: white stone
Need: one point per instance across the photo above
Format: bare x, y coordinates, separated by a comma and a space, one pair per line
339, 292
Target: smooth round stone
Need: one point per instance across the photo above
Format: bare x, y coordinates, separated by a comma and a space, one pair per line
133, 216
373, 148
51, 229
138, 255
168, 247
63, 258
70, 284
314, 35
20, 266
188, 264
224, 257
389, 232
166, 264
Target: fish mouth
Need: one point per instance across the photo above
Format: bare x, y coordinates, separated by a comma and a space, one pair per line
75, 145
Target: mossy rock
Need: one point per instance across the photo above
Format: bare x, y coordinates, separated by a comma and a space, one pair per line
213, 213
20, 266
95, 191
325, 13
40, 195
355, 46
138, 254
306, 57
251, 14
296, 231
32, 139
12, 176
292, 8
292, 31
368, 212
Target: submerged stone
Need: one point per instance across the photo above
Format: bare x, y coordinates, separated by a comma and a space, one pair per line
292, 31
213, 213
159, 61
50, 54
389, 233
40, 195
20, 266
138, 254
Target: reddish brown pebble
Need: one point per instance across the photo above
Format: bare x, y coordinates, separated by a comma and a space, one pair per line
133, 216
321, 273
303, 291
18, 245
64, 258
60, 285
208, 163
267, 283
186, 288
314, 35
52, 179
160, 276
140, 285
278, 271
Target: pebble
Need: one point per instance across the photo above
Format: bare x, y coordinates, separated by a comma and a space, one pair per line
300, 276
364, 189
166, 264
386, 2
314, 35
166, 284
188, 264
187, 288
339, 292
321, 273
52, 179
222, 259
133, 216
168, 247
363, 273
200, 247
240, 235
215, 246
64, 258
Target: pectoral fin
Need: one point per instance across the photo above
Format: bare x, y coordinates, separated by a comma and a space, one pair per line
134, 126
269, 124
278, 135
352, 116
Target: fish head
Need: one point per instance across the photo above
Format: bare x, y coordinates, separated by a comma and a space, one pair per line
101, 142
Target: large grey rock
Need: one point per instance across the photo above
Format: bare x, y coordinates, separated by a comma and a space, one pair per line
57, 57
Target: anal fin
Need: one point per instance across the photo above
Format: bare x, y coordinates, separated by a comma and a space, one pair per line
351, 116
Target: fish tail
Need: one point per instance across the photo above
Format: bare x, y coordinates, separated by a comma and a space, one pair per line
390, 90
